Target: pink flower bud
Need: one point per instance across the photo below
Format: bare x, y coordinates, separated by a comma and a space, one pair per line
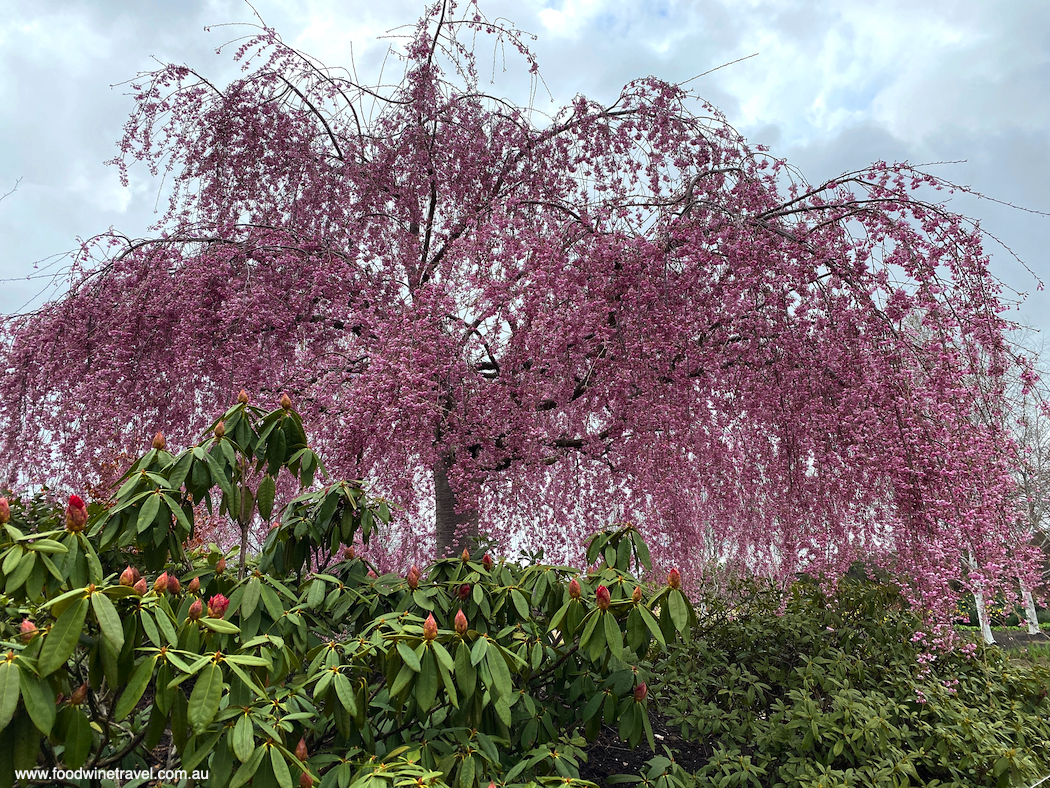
160, 585
220, 429
636, 595
194, 585
306, 781
76, 514
350, 553
220, 567
173, 585
603, 597
464, 592
28, 629
196, 610
640, 692
5, 511
461, 623
286, 402
127, 577
217, 606
79, 695
674, 578
372, 574
160, 442
574, 588
487, 562
242, 397
465, 555
140, 586
430, 628
413, 577
300, 750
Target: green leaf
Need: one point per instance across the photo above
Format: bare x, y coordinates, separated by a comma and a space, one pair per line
264, 497
47, 546
78, 738
108, 620
136, 686
148, 512
204, 700
613, 635
248, 768
221, 626
60, 642
8, 692
427, 682
243, 738
344, 690
149, 626
39, 700
280, 768
676, 605
250, 600
519, 603
500, 673
408, 656
652, 624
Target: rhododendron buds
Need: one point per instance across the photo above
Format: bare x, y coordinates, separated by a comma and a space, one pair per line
574, 588
242, 397
487, 562
220, 429
465, 555
464, 592
5, 511
306, 781
372, 574
461, 622
173, 585
76, 514
674, 579
603, 598
350, 553
196, 610
194, 586
636, 595
28, 630
140, 586
127, 577
160, 585
300, 750
430, 628
286, 402
217, 606
160, 442
640, 692
79, 695
220, 566
413, 577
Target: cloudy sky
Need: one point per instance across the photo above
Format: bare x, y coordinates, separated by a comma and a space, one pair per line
834, 86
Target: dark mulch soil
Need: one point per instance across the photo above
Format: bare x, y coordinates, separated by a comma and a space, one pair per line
607, 755
1020, 639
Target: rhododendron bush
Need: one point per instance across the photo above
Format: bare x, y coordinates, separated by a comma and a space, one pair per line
514, 324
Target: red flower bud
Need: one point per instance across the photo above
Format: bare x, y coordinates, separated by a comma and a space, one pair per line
464, 592
350, 553
28, 629
160, 442
286, 402
140, 586
465, 555
487, 562
300, 750
674, 578
430, 628
127, 577
574, 588
160, 585
5, 511
196, 610
603, 597
306, 781
461, 623
194, 585
242, 397
217, 606
220, 566
640, 692
413, 577
636, 595
79, 695
220, 429
173, 585
372, 574
76, 514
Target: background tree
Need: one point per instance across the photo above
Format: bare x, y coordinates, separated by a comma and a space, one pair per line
512, 321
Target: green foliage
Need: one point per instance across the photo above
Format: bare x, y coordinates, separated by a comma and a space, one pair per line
306, 662
840, 690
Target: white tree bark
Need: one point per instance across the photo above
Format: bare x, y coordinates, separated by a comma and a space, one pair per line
1029, 610
982, 618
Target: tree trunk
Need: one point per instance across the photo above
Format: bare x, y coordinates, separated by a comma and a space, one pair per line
454, 531
1029, 610
982, 618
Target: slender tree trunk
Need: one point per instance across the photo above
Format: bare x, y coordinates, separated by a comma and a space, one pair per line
454, 531
982, 618
1029, 610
